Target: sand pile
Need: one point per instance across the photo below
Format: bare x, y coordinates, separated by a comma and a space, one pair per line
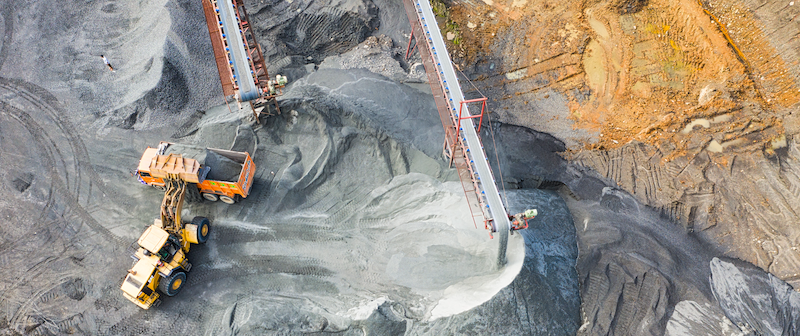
343, 219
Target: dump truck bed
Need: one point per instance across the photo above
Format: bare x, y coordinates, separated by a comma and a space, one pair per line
220, 172
225, 165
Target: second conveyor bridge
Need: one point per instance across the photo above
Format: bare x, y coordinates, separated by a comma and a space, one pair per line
462, 143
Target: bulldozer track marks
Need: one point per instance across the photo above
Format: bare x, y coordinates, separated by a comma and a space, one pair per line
559, 69
321, 30
627, 306
633, 169
53, 294
695, 192
203, 273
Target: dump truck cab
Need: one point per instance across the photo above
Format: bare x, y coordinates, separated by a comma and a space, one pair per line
143, 171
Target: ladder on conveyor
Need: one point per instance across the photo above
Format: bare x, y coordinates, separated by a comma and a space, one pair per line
462, 144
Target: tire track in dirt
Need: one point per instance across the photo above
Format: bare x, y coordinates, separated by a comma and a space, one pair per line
185, 320
40, 105
30, 309
42, 291
45, 101
43, 142
7, 11
48, 103
254, 265
130, 325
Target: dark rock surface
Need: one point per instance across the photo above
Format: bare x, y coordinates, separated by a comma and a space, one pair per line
301, 32
544, 298
637, 268
757, 300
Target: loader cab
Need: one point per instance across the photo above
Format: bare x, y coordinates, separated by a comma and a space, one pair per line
169, 249
160, 243
166, 250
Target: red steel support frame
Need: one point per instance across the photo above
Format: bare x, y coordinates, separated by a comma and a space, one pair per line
218, 45
483, 109
451, 125
257, 66
409, 48
255, 57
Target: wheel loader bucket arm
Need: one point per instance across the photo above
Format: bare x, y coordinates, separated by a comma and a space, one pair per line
172, 204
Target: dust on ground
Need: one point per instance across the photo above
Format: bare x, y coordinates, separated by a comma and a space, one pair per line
655, 71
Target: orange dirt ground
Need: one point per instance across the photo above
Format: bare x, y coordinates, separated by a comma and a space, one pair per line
677, 74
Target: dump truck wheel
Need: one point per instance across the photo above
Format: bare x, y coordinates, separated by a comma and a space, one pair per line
172, 284
226, 199
203, 228
210, 197
161, 188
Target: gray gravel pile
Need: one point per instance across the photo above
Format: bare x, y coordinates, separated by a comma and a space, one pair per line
355, 225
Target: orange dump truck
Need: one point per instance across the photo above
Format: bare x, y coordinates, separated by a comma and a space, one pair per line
217, 174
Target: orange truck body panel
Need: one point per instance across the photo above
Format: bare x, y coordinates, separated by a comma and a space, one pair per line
153, 168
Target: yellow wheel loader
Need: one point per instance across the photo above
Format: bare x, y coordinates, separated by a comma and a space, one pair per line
160, 263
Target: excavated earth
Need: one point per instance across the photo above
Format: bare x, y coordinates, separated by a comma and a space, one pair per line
654, 137
690, 106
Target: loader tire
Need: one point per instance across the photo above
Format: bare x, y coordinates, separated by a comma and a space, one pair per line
203, 228
172, 284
